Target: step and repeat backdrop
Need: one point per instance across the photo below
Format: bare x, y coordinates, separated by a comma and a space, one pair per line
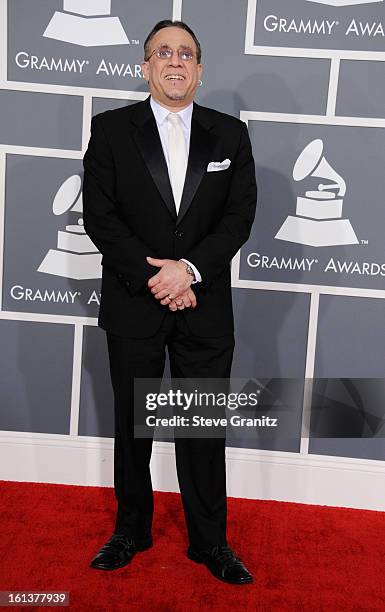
308, 78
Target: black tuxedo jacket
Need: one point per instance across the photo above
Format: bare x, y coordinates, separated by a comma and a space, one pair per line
129, 213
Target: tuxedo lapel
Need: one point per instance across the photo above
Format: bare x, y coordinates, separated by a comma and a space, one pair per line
148, 141
202, 142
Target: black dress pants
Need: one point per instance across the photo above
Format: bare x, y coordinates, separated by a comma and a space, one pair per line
200, 462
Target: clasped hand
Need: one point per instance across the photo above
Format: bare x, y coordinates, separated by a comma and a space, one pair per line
171, 285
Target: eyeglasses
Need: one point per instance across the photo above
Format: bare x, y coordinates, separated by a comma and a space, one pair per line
164, 52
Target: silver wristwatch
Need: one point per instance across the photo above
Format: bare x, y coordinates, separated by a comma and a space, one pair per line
189, 269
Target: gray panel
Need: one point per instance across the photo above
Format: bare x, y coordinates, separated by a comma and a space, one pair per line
350, 338
348, 417
41, 120
361, 89
99, 105
336, 260
233, 81
96, 397
316, 25
270, 335
349, 447
36, 376
79, 51
32, 234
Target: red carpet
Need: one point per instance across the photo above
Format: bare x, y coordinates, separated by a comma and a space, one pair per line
306, 558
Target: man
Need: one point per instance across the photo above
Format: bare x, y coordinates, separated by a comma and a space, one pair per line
169, 198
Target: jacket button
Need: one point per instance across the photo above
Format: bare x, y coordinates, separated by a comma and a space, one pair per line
178, 234
127, 283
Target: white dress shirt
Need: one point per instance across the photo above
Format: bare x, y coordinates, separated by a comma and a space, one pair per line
161, 113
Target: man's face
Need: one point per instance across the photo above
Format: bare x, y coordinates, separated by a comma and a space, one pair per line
173, 82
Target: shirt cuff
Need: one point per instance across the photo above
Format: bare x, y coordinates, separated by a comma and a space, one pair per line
198, 278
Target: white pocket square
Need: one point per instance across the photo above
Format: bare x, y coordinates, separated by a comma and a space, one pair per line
216, 166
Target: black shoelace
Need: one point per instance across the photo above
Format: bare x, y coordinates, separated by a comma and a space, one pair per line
224, 553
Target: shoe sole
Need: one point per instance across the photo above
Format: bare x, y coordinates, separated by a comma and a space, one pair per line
139, 548
193, 556
110, 569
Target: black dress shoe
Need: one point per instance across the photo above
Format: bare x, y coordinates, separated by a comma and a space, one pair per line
222, 563
118, 551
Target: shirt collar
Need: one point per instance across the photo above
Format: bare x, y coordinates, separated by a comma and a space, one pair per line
160, 113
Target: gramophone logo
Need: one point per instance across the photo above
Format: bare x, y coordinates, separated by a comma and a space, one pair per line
76, 256
319, 214
344, 2
87, 23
